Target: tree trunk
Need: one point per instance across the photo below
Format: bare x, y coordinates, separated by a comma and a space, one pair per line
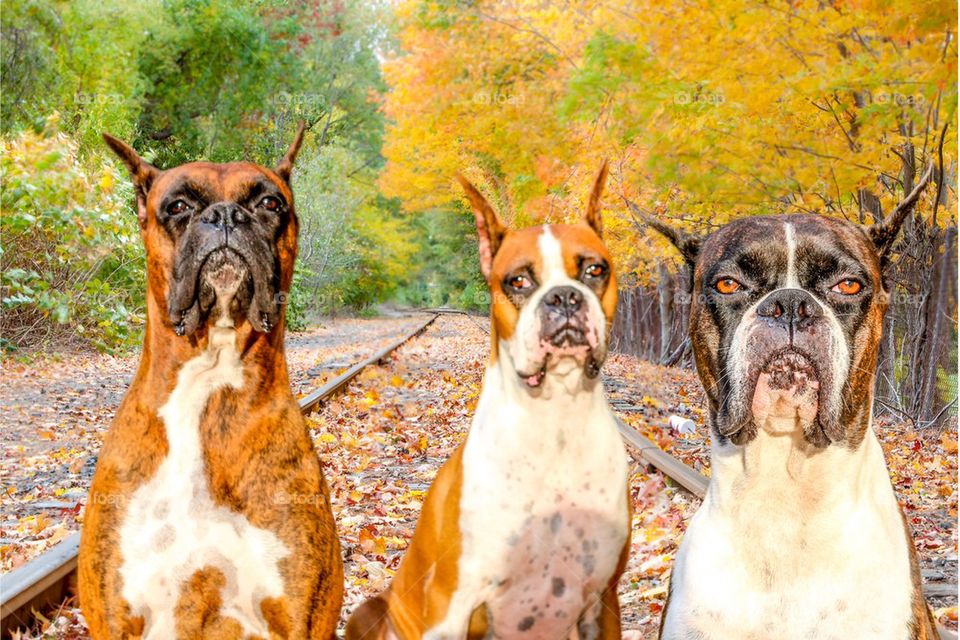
886, 378
927, 405
663, 297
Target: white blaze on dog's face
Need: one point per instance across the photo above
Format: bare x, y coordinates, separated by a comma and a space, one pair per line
553, 291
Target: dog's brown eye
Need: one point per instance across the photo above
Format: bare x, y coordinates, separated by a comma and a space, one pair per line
271, 204
519, 282
178, 207
726, 286
847, 287
595, 271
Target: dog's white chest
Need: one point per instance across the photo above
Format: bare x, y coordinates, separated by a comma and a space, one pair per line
173, 528
764, 558
543, 517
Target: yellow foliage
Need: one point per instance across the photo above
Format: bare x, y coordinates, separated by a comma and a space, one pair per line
706, 110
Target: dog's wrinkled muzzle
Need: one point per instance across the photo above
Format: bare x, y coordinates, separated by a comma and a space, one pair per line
565, 332
789, 372
226, 268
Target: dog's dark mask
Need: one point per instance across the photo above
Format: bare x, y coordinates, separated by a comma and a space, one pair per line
226, 264
785, 322
220, 239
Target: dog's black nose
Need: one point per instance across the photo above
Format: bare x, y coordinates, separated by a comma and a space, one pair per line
790, 307
565, 300
225, 214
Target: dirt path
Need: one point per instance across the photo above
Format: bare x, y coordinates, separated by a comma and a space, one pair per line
383, 440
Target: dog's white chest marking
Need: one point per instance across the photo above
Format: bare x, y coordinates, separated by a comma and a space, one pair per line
791, 545
173, 528
543, 510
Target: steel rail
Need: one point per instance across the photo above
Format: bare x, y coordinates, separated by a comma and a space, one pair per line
690, 479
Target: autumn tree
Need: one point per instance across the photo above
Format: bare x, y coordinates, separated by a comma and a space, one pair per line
707, 111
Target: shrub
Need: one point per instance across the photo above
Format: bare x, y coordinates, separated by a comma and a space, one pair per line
72, 261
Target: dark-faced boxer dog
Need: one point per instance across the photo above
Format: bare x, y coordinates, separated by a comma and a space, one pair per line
525, 531
209, 516
800, 534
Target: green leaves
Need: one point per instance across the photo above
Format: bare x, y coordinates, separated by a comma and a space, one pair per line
186, 80
72, 265
608, 64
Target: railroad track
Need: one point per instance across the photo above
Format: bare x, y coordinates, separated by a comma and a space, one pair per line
50, 579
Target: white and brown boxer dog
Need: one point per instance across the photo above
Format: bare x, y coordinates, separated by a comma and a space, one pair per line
525, 531
800, 535
209, 516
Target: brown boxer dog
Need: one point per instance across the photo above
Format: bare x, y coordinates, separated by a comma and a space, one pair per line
209, 516
525, 530
800, 535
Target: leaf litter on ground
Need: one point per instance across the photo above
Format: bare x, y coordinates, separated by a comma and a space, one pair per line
383, 440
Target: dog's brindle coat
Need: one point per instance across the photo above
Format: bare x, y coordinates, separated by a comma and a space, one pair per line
800, 534
209, 516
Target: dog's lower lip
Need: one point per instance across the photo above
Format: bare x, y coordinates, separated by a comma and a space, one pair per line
226, 257
217, 268
790, 359
223, 254
225, 274
567, 334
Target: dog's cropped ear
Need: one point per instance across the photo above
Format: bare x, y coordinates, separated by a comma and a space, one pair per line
284, 168
141, 172
884, 233
490, 230
687, 243
592, 215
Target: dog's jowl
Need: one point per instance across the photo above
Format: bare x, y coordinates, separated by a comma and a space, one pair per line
209, 516
800, 535
525, 531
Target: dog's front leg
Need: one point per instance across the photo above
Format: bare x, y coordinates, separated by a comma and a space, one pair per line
609, 620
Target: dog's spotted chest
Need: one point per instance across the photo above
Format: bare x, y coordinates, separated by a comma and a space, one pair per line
561, 561
173, 528
543, 512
